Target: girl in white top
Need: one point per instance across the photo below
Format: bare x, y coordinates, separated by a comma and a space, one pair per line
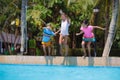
65, 23
64, 27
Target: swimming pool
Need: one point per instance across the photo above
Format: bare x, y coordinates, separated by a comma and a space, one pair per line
50, 72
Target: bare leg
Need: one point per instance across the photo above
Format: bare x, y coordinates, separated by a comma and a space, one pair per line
44, 50
66, 45
49, 50
60, 43
89, 48
83, 47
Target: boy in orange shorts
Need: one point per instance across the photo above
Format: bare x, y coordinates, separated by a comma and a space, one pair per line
46, 43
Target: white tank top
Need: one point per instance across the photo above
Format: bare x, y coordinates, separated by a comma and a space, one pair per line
64, 28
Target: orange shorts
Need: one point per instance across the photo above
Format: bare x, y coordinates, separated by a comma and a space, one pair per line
46, 43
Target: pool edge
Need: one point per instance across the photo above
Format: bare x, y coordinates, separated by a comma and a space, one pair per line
58, 60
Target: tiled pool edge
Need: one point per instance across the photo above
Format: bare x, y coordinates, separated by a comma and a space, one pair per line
57, 60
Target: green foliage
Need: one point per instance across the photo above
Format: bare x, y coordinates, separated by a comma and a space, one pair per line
9, 10
78, 11
116, 43
49, 11
32, 43
2, 18
37, 14
40, 12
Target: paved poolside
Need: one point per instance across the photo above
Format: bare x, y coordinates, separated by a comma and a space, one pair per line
58, 60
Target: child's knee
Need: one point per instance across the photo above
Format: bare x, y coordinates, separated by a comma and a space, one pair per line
82, 44
88, 45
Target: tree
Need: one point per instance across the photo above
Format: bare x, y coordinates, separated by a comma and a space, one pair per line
9, 12
23, 26
112, 28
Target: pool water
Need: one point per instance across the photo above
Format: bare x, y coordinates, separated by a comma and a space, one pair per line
49, 72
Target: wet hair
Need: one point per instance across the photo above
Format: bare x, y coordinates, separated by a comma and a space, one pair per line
86, 22
64, 14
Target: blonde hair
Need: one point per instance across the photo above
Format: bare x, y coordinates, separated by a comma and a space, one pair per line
48, 24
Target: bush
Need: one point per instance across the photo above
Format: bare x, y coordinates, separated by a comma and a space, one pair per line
79, 52
115, 52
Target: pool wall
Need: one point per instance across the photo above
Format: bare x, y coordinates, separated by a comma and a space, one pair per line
57, 60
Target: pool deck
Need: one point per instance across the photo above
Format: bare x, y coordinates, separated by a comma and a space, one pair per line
58, 60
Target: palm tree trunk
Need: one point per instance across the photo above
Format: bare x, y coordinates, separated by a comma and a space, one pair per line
107, 18
23, 25
112, 28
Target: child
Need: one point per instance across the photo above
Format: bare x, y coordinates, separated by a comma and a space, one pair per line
46, 43
65, 23
88, 36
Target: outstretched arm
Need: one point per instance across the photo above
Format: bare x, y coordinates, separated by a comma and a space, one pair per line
99, 27
81, 32
57, 32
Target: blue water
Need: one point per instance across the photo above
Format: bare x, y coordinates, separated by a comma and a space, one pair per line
47, 72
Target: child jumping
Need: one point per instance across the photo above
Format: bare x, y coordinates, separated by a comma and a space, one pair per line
64, 33
46, 42
88, 36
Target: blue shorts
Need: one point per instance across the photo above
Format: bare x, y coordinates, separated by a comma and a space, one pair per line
89, 39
